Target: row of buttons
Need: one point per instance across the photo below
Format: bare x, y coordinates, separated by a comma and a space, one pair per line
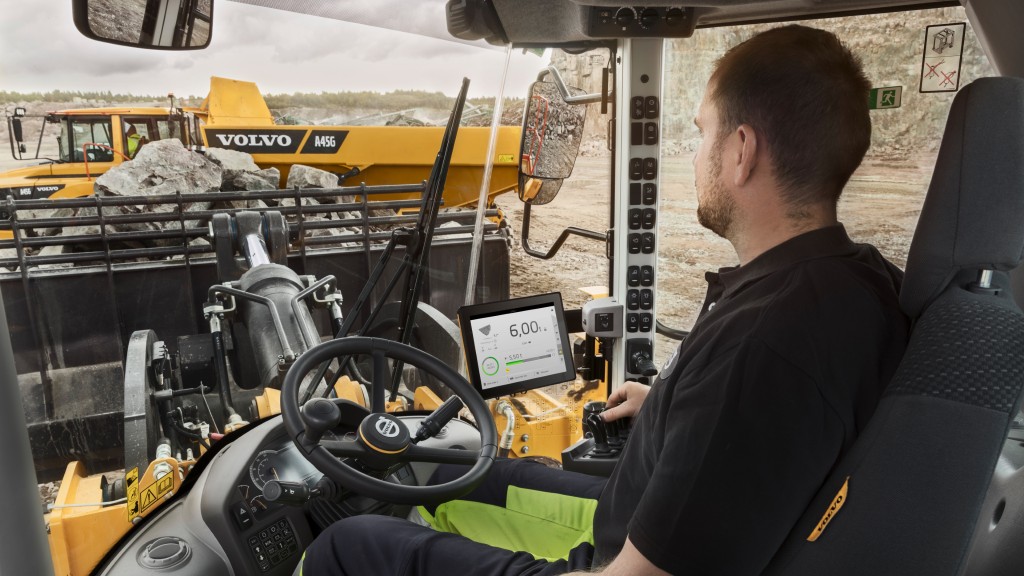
640, 299
642, 218
273, 545
639, 322
643, 134
641, 107
643, 168
640, 276
646, 193
641, 243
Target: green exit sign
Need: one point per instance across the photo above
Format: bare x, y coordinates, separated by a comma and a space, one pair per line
888, 97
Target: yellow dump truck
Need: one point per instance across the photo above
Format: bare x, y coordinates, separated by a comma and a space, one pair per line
235, 116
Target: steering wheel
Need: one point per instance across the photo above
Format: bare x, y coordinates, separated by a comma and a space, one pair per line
382, 440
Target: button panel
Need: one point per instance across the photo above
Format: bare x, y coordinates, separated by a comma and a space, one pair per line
637, 220
273, 544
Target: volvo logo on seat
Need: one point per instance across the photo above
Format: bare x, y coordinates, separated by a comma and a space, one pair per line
386, 427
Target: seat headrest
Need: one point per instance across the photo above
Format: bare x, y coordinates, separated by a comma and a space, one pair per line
973, 215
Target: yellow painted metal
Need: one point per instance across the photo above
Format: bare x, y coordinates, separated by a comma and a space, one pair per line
549, 420
425, 399
80, 535
402, 155
269, 403
233, 102
81, 530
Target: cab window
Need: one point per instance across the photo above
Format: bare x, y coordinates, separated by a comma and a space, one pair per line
77, 133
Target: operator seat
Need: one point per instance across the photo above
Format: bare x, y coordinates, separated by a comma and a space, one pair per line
917, 476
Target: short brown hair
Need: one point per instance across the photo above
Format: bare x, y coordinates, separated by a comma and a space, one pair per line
806, 96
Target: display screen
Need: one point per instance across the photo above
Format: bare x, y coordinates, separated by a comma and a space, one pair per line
516, 345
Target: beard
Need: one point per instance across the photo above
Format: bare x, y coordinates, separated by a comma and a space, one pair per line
714, 205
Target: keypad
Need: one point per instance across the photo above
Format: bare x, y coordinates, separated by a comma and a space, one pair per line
273, 544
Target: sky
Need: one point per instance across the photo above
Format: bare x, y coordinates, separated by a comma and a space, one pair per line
283, 52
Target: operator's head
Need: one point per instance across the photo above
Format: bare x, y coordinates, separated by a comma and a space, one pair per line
131, 131
804, 97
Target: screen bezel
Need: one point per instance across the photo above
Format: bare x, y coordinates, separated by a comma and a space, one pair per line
490, 309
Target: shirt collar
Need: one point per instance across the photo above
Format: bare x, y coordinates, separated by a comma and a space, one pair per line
820, 243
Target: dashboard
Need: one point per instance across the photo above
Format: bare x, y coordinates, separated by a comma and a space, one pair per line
225, 526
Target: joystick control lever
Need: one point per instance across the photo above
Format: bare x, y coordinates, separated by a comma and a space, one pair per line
596, 427
640, 356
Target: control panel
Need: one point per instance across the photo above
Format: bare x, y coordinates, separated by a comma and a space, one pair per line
273, 544
641, 22
639, 140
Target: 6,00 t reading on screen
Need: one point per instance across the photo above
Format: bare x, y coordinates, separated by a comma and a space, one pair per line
518, 346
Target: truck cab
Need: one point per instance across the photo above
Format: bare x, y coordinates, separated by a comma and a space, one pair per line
76, 146
219, 517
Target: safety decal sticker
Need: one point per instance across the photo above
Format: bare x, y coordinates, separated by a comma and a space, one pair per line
131, 485
943, 52
154, 492
882, 98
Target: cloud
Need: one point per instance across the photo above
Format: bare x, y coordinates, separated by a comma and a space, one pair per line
281, 51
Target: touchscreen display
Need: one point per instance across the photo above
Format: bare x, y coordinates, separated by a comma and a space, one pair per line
516, 345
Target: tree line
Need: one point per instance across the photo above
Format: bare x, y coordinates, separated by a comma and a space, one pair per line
394, 100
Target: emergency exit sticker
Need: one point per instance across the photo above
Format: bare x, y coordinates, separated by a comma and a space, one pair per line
943, 53
882, 98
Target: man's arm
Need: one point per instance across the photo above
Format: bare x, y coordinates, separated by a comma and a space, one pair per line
629, 562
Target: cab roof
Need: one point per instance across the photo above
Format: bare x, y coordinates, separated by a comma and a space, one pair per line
139, 111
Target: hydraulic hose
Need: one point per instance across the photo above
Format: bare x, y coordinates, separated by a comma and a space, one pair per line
505, 445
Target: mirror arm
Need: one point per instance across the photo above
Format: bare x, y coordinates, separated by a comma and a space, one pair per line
564, 90
673, 333
561, 237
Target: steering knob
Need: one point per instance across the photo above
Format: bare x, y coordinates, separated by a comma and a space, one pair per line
320, 415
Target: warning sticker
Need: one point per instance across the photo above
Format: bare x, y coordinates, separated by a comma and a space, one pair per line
154, 492
943, 52
131, 487
506, 158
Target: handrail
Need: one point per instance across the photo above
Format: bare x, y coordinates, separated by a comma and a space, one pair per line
85, 156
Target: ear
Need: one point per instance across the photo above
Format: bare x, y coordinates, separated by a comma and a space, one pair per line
746, 161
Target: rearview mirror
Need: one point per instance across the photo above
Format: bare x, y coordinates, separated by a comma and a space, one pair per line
538, 190
153, 24
552, 132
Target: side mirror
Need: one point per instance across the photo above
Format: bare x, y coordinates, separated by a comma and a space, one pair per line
552, 132
153, 24
19, 136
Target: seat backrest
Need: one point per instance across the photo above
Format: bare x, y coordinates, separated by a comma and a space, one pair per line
906, 497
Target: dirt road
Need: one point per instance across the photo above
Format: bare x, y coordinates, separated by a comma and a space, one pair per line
880, 206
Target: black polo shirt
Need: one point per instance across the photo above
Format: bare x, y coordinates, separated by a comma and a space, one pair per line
785, 364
